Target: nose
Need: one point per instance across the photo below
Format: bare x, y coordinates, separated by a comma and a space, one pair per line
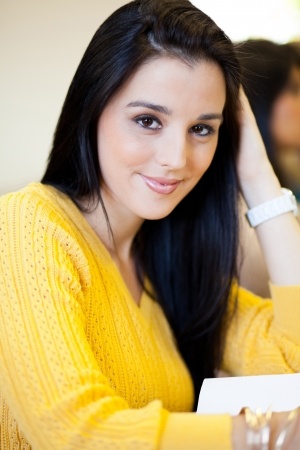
173, 151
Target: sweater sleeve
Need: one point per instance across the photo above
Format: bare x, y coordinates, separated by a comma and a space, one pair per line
263, 336
195, 431
49, 377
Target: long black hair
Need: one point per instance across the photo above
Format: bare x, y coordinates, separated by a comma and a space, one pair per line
189, 256
266, 68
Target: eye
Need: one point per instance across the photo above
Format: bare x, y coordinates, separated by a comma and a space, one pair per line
202, 130
148, 122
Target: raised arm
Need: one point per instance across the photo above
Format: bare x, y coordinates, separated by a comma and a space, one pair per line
280, 236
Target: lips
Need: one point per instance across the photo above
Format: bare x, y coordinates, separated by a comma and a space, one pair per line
161, 185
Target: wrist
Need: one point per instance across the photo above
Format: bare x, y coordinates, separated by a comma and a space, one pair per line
260, 188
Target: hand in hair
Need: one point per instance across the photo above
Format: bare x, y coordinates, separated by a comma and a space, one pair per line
252, 159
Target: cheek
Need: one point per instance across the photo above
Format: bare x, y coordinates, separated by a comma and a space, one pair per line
202, 160
118, 150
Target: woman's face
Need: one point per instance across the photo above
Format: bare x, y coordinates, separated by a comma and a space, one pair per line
158, 134
285, 118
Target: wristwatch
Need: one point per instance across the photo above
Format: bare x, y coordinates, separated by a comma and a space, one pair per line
268, 210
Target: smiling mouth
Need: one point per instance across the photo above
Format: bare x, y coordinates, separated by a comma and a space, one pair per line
161, 185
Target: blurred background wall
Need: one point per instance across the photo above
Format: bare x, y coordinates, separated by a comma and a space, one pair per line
41, 43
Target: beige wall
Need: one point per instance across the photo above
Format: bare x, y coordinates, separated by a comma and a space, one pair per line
42, 42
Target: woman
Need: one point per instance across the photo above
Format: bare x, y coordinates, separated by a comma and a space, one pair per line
271, 79
118, 294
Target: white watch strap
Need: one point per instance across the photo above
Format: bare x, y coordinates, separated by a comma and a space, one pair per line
266, 211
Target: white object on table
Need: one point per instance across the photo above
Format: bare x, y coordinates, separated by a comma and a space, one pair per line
230, 394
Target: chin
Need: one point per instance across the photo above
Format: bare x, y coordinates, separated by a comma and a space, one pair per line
157, 214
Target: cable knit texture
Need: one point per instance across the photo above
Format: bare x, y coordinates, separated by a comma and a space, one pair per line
82, 366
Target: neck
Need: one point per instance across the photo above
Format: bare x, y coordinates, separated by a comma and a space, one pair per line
117, 237
118, 234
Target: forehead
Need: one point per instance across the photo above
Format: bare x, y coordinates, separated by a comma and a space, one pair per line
173, 81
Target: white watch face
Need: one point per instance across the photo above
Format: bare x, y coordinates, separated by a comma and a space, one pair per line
293, 199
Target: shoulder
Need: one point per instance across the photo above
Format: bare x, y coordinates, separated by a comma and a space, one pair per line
41, 215
32, 195
39, 222
36, 203
46, 217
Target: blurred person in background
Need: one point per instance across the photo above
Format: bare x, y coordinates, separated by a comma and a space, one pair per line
271, 80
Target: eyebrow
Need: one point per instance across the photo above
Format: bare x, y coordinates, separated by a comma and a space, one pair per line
158, 108
168, 112
212, 116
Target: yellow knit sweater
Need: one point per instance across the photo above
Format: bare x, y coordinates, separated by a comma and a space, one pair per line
82, 366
